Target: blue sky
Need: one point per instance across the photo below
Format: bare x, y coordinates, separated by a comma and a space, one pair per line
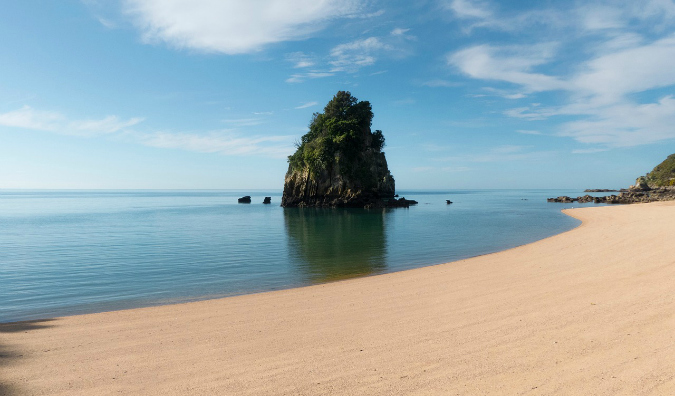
212, 94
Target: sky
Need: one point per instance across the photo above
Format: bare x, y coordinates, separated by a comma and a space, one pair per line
213, 94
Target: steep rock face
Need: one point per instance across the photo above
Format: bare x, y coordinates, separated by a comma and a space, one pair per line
339, 162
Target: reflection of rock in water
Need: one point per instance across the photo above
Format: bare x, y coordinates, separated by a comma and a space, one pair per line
331, 244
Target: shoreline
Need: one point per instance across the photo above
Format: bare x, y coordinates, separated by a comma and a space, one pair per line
562, 314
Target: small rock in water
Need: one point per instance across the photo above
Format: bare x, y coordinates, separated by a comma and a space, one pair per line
268, 200
447, 201
245, 199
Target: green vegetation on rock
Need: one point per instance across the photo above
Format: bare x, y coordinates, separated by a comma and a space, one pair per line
663, 174
339, 161
337, 136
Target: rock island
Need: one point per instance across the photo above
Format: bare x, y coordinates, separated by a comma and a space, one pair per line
340, 162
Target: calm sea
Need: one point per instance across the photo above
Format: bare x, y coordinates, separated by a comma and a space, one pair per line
71, 252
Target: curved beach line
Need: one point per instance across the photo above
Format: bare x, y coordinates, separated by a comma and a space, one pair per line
588, 311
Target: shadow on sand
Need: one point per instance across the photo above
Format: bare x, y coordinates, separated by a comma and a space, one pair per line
9, 355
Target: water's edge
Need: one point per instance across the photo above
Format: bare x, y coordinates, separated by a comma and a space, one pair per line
76, 254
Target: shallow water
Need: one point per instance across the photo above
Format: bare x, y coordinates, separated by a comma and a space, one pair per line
71, 252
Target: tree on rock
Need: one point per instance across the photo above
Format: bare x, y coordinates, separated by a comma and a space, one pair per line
339, 162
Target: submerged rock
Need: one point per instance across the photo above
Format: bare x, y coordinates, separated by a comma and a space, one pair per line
339, 162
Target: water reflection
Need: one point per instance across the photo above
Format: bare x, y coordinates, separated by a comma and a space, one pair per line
332, 244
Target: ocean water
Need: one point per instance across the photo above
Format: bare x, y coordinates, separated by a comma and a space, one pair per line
72, 252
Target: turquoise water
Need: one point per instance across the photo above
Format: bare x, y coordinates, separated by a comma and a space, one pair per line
71, 252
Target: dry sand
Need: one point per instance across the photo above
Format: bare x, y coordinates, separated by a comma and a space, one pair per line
587, 312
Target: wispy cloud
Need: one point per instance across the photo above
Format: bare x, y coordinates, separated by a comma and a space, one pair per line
513, 64
222, 142
356, 54
467, 9
306, 105
228, 142
300, 60
352, 56
485, 14
235, 27
29, 118
243, 122
528, 132
301, 77
600, 89
399, 31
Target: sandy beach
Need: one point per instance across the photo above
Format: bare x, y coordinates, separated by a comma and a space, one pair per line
587, 312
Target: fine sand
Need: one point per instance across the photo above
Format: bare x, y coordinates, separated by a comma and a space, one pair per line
586, 312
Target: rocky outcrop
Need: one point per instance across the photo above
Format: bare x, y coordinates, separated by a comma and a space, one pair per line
628, 197
331, 187
657, 185
267, 200
339, 162
244, 199
641, 184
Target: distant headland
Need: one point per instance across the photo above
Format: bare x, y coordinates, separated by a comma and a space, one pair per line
657, 185
340, 162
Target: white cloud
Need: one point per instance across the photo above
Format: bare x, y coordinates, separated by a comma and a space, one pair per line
627, 124
528, 132
228, 142
467, 9
300, 60
29, 118
399, 32
483, 14
611, 76
511, 64
604, 91
109, 124
354, 55
300, 77
222, 142
243, 122
234, 27
600, 16
306, 105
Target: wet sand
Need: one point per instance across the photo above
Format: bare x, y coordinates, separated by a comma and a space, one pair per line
587, 312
